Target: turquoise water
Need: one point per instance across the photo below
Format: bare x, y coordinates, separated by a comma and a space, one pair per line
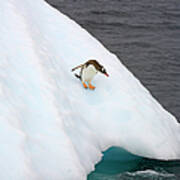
114, 162
118, 164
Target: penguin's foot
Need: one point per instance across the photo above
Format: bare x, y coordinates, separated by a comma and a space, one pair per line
91, 86
84, 84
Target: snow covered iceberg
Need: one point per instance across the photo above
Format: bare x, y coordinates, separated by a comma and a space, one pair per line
52, 128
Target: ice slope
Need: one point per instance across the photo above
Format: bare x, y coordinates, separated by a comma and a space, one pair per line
52, 128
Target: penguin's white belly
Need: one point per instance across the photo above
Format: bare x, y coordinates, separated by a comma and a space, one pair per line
88, 73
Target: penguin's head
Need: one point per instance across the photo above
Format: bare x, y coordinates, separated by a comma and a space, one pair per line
97, 66
103, 71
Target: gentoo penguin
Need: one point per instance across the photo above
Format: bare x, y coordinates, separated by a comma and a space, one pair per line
88, 71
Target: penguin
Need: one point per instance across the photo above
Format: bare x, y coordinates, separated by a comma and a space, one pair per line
88, 70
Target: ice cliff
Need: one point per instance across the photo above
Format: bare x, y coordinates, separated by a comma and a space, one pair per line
52, 128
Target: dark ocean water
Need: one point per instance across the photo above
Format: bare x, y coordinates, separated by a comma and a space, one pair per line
145, 35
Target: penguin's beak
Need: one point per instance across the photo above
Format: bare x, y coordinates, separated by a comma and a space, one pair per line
106, 74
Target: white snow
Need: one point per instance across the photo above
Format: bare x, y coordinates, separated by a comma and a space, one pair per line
51, 127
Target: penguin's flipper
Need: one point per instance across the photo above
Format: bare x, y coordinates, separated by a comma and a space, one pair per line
78, 76
80, 66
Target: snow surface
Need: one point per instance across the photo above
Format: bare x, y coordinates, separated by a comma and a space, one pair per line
52, 128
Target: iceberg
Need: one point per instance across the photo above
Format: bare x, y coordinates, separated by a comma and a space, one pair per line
51, 127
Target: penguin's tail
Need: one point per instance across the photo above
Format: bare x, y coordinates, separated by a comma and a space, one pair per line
78, 76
